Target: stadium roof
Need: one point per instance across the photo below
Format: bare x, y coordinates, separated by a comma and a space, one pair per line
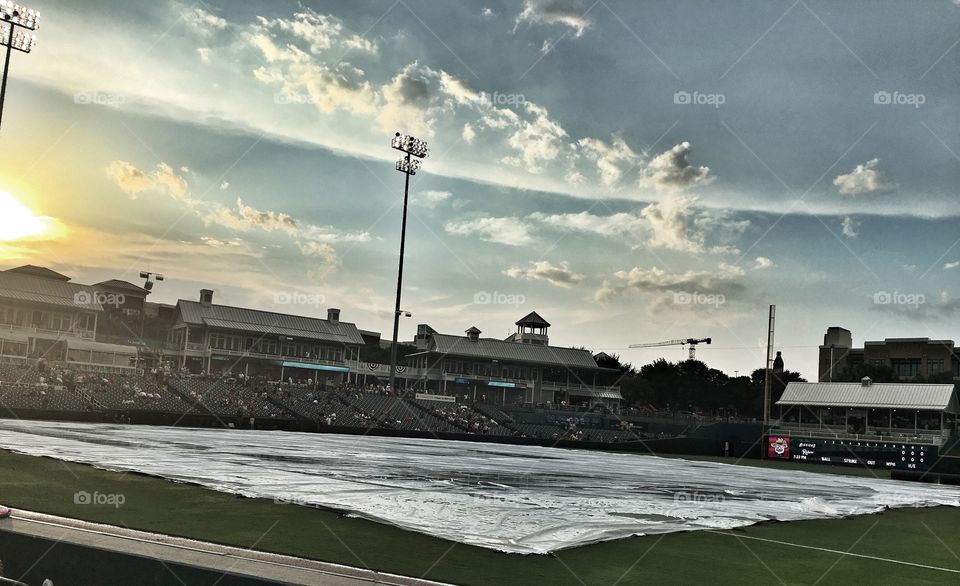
77, 344
120, 285
924, 397
597, 393
267, 322
25, 286
512, 351
533, 319
35, 271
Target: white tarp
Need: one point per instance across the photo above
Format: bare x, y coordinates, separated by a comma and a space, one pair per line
520, 499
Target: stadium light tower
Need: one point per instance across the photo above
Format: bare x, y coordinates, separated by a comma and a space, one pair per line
16, 25
149, 279
408, 165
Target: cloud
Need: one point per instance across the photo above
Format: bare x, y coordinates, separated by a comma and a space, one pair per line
205, 54
560, 276
312, 240
202, 21
129, 178
301, 77
321, 32
468, 134
619, 225
668, 221
133, 181
406, 102
165, 176
613, 160
725, 280
318, 249
674, 224
488, 12
956, 263
224, 185
430, 198
762, 263
864, 179
851, 227
672, 171
536, 141
269, 221
509, 231
567, 13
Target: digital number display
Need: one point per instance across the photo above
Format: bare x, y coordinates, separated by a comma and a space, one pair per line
876, 454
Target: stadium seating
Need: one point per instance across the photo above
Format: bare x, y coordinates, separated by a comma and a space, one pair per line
56, 388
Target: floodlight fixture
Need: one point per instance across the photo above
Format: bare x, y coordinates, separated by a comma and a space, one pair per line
408, 166
410, 145
15, 22
21, 40
19, 15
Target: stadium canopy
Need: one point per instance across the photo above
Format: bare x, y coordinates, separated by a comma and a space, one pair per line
255, 321
909, 396
487, 348
598, 393
100, 354
325, 367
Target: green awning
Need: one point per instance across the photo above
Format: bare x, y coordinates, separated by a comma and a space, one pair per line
288, 364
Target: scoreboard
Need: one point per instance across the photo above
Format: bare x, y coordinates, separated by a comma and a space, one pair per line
875, 454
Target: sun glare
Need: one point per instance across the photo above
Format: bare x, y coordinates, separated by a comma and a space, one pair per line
18, 222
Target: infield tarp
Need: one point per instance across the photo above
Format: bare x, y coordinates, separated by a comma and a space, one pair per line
521, 499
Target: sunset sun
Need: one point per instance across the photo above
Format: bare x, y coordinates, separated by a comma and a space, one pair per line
17, 221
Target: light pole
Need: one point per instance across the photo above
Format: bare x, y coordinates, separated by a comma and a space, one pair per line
149, 279
13, 17
413, 147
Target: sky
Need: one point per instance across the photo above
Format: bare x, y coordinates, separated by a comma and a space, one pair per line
634, 172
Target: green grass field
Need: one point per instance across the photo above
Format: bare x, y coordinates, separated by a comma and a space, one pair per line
764, 554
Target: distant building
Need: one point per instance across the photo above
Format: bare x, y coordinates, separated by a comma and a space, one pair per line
908, 358
44, 315
211, 338
523, 368
887, 425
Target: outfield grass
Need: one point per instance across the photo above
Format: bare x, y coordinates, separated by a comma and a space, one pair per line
921, 536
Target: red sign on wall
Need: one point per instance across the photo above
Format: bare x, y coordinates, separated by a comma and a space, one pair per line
778, 447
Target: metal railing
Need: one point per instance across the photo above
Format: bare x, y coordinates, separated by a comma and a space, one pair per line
878, 435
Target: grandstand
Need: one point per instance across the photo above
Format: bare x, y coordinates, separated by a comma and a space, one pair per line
59, 392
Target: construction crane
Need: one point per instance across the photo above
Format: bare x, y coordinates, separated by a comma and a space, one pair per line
692, 342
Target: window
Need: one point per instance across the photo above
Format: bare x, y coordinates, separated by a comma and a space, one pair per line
267, 347
11, 315
934, 366
906, 368
60, 322
85, 322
